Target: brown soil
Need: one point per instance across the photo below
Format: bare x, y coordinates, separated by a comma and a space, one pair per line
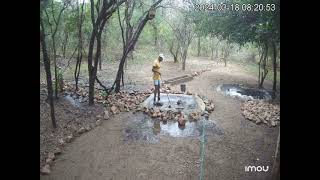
102, 152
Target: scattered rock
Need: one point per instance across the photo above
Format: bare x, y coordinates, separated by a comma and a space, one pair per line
181, 119
205, 113
57, 151
61, 142
45, 169
88, 128
82, 130
98, 122
194, 116
209, 107
69, 138
106, 115
51, 155
49, 161
146, 110
114, 109
98, 116
261, 112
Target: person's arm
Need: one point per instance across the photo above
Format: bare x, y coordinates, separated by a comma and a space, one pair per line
153, 69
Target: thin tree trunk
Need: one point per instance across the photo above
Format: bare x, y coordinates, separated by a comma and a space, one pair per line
55, 68
155, 36
259, 64
90, 67
265, 71
130, 43
46, 62
199, 47
274, 88
184, 57
172, 52
100, 63
212, 49
80, 45
217, 49
64, 44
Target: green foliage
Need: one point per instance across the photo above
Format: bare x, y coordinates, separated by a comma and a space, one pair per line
242, 26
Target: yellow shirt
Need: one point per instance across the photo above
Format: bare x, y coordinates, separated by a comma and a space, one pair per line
156, 67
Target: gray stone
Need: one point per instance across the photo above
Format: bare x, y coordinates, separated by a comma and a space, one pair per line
98, 116
51, 155
88, 128
49, 161
106, 115
61, 141
45, 169
82, 130
69, 138
98, 122
57, 151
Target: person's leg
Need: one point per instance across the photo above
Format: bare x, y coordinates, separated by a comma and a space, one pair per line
155, 93
158, 90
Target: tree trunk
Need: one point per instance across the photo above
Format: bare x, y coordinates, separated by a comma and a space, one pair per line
259, 64
184, 57
155, 36
46, 62
64, 44
264, 65
199, 47
130, 43
217, 50
80, 44
93, 74
103, 15
274, 88
90, 67
119, 74
55, 68
175, 59
212, 47
100, 63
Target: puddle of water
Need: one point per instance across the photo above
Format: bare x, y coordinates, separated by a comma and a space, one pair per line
245, 93
143, 128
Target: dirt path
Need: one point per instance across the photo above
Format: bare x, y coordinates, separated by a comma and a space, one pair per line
103, 152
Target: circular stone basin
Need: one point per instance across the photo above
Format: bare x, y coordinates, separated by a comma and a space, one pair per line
178, 102
245, 93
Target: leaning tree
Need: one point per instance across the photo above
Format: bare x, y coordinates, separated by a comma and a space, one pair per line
132, 40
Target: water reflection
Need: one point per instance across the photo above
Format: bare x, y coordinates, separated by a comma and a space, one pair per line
144, 128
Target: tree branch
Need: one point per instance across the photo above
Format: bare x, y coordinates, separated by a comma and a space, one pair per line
122, 33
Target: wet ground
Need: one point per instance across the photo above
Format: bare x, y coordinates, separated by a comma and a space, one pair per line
242, 92
143, 128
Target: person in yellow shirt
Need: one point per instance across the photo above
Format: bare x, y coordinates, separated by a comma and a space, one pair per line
157, 77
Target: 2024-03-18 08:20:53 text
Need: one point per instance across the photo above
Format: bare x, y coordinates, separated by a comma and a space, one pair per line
234, 7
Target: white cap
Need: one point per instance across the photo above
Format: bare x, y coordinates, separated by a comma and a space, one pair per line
161, 55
